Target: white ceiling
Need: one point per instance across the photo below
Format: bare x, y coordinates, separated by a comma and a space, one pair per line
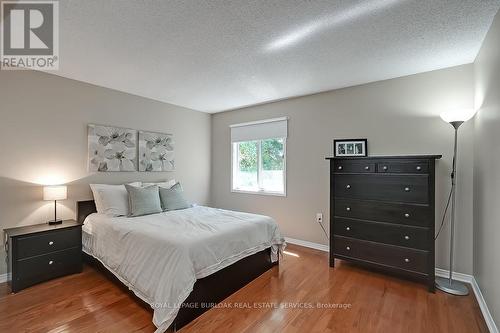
214, 55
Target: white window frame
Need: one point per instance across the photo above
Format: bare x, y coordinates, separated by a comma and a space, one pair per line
235, 159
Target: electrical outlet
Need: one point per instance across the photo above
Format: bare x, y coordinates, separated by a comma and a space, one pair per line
319, 217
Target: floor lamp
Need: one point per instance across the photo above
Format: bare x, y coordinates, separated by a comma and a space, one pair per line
455, 118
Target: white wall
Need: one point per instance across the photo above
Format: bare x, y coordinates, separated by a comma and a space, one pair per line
399, 116
43, 139
486, 170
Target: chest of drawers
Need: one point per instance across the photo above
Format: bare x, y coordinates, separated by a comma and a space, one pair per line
41, 252
382, 213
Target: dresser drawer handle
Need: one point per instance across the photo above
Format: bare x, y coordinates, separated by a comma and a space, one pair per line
367, 167
347, 228
419, 168
348, 209
51, 262
407, 215
385, 167
407, 237
340, 167
407, 189
348, 248
51, 243
348, 186
407, 260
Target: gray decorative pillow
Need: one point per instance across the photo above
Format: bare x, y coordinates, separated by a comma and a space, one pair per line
173, 198
143, 200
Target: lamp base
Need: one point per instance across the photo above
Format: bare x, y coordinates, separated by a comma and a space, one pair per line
455, 288
52, 222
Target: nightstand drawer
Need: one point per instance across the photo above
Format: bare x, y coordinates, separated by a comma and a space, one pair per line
45, 267
43, 243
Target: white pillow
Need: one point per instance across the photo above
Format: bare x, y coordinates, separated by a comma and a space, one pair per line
111, 200
167, 184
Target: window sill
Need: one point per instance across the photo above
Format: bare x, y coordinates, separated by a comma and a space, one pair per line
276, 194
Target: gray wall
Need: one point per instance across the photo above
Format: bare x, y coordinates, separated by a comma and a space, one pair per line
486, 176
43, 138
399, 116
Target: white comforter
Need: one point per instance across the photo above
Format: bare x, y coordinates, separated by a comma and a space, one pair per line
160, 256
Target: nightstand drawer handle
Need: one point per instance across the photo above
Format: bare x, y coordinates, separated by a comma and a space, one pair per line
385, 167
347, 228
51, 243
419, 168
340, 167
407, 237
407, 260
407, 215
348, 186
348, 209
407, 189
51, 262
367, 167
348, 248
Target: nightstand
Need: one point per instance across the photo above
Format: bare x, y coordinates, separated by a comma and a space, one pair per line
42, 252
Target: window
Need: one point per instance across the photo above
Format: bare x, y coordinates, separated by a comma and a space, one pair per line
259, 161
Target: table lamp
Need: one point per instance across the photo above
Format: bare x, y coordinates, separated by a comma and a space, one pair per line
55, 193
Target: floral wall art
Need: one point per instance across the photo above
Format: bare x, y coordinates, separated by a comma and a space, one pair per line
156, 152
112, 148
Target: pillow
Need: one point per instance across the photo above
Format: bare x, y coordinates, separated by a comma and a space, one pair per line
173, 198
143, 200
111, 199
166, 184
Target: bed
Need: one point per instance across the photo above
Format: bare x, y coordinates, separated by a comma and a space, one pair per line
182, 262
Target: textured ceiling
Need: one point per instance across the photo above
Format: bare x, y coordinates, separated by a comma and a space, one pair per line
214, 55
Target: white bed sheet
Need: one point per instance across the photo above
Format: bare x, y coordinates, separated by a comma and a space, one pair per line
160, 256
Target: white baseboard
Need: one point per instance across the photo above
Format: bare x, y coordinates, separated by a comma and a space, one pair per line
477, 292
304, 243
3, 278
457, 276
467, 278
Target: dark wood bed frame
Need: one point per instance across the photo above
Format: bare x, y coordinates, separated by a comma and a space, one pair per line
207, 291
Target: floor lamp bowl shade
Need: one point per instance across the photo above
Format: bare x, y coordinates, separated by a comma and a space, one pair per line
55, 193
457, 115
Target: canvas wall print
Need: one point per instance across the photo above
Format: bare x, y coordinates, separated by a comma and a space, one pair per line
156, 152
112, 148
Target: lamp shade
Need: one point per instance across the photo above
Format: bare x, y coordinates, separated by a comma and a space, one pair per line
54, 193
458, 115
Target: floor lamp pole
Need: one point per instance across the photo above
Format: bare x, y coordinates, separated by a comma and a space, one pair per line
449, 285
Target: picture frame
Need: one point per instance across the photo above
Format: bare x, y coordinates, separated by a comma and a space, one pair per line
350, 147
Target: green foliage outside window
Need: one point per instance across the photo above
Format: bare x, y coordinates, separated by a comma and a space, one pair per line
272, 155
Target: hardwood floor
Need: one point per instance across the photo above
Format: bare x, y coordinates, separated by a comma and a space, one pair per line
368, 302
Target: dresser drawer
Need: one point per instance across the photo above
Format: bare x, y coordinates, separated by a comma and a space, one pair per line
388, 255
410, 237
45, 267
403, 166
354, 166
410, 189
406, 214
42, 243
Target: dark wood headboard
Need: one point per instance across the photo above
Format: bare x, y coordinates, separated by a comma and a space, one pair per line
84, 209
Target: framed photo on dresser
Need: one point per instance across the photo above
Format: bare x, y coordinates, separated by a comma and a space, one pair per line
350, 147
